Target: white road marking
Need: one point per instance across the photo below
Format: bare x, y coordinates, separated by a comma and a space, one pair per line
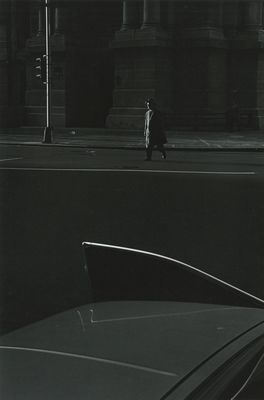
150, 171
10, 159
84, 357
205, 142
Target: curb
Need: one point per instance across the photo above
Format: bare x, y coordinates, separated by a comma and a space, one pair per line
173, 147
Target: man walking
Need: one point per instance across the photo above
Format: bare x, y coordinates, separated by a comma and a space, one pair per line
153, 132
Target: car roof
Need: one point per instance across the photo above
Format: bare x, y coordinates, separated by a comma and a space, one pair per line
128, 349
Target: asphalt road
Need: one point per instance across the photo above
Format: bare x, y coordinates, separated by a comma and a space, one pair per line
53, 156
203, 208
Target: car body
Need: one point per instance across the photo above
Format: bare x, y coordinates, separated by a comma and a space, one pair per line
129, 349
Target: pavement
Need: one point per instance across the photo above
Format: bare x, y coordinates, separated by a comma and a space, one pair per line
130, 139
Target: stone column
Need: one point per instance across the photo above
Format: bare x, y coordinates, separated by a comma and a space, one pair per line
253, 15
143, 68
4, 65
129, 15
57, 21
172, 22
58, 66
11, 109
151, 14
41, 27
201, 76
230, 19
249, 65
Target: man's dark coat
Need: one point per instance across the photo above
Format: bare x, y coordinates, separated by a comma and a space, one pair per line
154, 131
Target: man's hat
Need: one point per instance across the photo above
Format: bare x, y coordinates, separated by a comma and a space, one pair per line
150, 100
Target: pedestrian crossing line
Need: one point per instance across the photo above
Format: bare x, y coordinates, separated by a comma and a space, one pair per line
10, 159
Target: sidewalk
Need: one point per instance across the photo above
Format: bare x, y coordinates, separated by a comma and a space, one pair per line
128, 139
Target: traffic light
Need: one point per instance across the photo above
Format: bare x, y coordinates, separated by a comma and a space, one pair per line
40, 68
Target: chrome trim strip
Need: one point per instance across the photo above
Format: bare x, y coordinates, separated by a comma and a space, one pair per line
179, 262
91, 358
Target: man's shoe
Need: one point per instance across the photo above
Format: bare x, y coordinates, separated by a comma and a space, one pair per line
147, 159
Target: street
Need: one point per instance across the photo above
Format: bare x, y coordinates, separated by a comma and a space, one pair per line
72, 157
202, 208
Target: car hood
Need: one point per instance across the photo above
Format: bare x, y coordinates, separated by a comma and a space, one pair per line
117, 350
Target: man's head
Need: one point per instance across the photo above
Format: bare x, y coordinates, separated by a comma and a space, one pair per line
150, 103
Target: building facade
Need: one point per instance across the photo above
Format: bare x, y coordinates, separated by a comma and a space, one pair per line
202, 61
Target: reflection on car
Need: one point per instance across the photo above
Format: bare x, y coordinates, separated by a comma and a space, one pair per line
155, 328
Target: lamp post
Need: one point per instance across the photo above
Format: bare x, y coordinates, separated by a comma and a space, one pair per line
47, 136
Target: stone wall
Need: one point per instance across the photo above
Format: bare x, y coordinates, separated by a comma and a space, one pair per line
197, 58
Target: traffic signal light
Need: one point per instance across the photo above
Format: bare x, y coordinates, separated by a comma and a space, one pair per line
40, 68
